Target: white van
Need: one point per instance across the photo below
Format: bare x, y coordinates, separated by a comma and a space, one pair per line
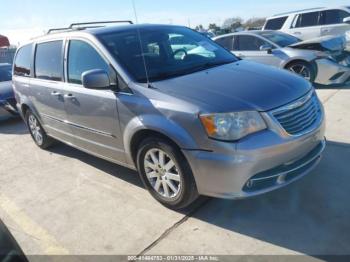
311, 23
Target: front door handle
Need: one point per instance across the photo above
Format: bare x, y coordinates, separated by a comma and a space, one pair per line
55, 93
296, 33
69, 96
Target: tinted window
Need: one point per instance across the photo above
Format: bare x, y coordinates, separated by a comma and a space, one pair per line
334, 16
83, 57
279, 38
23, 61
49, 61
150, 48
308, 19
275, 23
249, 43
226, 42
5, 73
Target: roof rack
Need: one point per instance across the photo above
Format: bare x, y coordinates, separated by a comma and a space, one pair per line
86, 25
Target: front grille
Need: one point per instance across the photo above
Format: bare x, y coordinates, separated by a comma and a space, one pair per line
300, 116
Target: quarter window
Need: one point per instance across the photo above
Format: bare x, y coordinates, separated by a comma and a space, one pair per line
308, 19
275, 23
49, 61
226, 42
249, 43
335, 16
83, 57
23, 61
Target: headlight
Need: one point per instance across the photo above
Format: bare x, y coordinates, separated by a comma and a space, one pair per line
232, 126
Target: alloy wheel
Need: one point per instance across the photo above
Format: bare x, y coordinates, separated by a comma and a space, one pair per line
162, 173
301, 70
35, 129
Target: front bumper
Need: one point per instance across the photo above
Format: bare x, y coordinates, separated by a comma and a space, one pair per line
257, 164
330, 72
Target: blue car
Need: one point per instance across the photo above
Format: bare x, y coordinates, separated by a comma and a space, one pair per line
7, 97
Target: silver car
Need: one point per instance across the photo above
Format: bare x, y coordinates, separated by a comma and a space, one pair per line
321, 60
193, 124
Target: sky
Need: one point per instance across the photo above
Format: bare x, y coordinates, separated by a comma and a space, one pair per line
24, 19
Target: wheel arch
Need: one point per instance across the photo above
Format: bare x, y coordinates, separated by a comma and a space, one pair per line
137, 130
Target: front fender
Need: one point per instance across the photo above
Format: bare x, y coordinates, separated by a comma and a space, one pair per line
160, 124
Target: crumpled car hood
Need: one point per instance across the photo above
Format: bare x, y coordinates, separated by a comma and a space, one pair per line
324, 43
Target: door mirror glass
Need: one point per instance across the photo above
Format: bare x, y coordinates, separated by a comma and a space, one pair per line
266, 47
95, 79
346, 20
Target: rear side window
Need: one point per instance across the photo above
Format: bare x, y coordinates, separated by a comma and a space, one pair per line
249, 43
335, 16
23, 61
226, 42
49, 61
83, 57
308, 19
275, 23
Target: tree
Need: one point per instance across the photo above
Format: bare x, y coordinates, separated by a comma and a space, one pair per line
255, 22
213, 27
232, 23
199, 28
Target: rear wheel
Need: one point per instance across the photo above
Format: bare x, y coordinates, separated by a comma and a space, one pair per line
166, 174
38, 134
303, 69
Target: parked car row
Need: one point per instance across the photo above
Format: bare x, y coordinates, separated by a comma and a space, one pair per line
321, 60
189, 115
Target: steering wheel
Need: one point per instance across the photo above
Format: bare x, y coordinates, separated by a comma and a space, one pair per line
181, 50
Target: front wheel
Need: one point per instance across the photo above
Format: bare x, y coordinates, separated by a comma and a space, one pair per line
166, 173
303, 69
38, 134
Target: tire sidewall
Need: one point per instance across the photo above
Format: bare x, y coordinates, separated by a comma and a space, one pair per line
185, 172
45, 142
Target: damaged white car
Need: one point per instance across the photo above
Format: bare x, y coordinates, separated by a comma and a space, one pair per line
322, 60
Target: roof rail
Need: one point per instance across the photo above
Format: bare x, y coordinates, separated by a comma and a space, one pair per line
85, 25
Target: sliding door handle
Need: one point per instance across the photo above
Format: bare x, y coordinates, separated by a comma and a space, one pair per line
69, 96
55, 93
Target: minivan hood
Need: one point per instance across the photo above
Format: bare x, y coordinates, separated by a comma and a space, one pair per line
325, 43
239, 86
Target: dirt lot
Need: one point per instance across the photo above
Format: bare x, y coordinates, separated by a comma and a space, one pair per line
63, 201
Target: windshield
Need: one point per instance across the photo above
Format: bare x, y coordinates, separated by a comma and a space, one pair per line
168, 51
280, 39
5, 73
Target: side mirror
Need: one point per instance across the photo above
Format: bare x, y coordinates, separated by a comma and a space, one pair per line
267, 48
96, 79
346, 20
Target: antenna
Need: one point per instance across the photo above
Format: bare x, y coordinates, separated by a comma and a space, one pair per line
141, 47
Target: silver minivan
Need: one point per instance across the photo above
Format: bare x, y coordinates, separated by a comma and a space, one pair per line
192, 122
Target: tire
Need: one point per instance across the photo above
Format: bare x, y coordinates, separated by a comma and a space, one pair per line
303, 69
171, 182
38, 134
